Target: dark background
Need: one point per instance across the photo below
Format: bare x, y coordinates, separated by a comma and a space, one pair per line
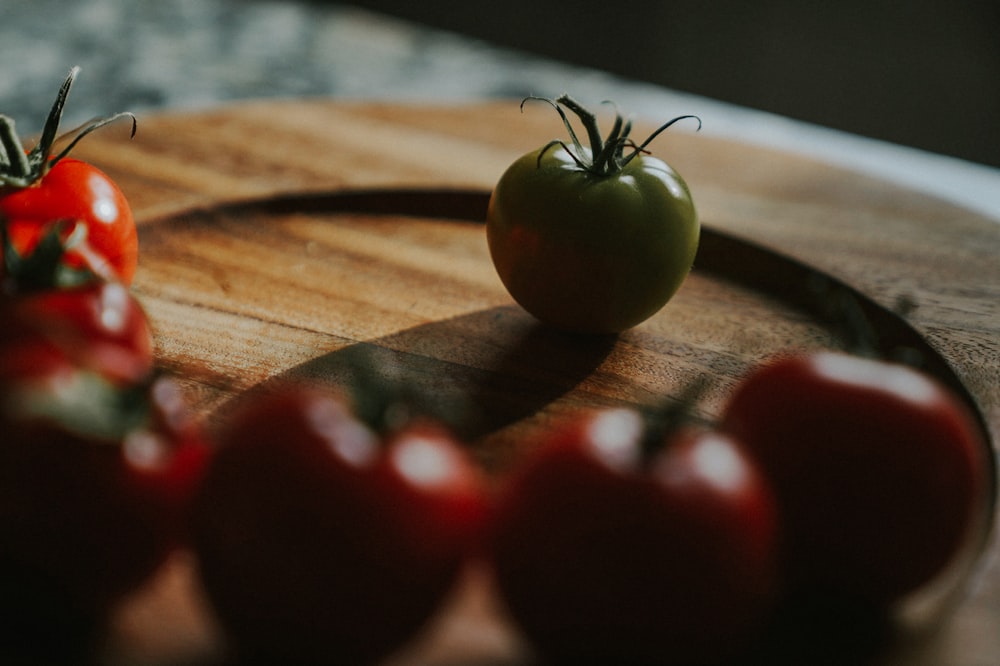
923, 73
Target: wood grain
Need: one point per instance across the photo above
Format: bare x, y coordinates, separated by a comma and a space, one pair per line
257, 267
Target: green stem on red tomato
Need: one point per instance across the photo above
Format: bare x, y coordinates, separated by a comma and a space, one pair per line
40, 153
664, 421
16, 166
22, 168
98, 124
43, 268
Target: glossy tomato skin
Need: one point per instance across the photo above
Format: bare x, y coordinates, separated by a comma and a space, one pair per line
318, 543
591, 253
603, 558
878, 470
88, 517
78, 192
98, 326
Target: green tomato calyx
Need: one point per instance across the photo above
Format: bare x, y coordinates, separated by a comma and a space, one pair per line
606, 156
43, 268
664, 421
86, 404
22, 168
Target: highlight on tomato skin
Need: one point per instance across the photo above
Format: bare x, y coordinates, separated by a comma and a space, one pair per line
880, 473
102, 237
39, 187
321, 540
86, 521
604, 553
99, 453
98, 325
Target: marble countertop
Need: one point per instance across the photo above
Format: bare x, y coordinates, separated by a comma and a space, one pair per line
187, 54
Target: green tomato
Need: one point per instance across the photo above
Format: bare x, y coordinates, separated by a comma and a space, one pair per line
592, 244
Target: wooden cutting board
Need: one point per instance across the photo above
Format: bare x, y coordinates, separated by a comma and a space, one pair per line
287, 239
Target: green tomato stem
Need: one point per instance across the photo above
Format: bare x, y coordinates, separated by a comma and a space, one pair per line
43, 267
16, 166
641, 147
88, 405
607, 155
40, 153
98, 124
589, 121
22, 169
666, 420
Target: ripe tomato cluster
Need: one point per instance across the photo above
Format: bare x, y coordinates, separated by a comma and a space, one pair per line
99, 455
328, 533
833, 486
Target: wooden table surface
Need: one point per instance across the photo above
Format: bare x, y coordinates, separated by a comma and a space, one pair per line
288, 239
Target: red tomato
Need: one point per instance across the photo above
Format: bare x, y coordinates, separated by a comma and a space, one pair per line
102, 235
878, 471
604, 556
318, 543
38, 189
98, 326
95, 483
